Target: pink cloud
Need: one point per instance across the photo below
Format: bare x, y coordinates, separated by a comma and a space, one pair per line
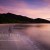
21, 8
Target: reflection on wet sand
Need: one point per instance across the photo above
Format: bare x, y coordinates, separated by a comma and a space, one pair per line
25, 37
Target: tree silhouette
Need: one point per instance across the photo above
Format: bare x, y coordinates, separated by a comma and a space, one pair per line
12, 18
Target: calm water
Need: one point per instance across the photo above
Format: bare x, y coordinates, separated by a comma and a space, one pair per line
24, 36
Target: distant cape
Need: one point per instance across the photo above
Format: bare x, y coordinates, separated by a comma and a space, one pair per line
12, 18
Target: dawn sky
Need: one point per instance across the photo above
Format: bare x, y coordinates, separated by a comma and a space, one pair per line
30, 8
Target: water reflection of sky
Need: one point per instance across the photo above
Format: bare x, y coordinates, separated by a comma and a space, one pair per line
26, 37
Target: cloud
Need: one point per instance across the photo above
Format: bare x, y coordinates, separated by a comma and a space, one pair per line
23, 8
37, 3
33, 13
1, 9
47, 0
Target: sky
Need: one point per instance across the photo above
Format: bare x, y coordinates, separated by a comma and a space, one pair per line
29, 8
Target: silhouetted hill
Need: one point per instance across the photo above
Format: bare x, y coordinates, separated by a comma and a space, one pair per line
40, 20
12, 18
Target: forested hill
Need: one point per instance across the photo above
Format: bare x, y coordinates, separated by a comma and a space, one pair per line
12, 18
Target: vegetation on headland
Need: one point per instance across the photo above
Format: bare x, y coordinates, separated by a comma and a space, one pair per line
12, 18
